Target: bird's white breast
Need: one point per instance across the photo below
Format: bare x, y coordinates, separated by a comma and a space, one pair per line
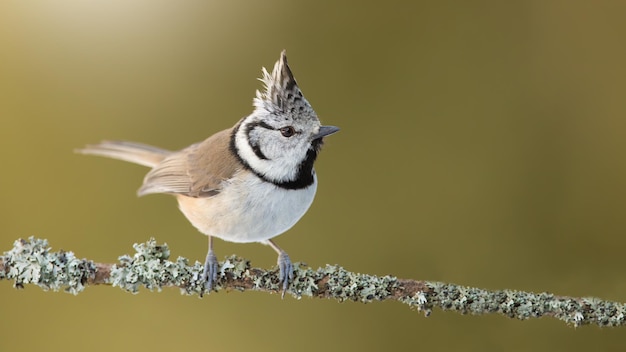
248, 209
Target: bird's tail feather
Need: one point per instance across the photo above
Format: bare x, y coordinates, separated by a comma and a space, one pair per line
137, 153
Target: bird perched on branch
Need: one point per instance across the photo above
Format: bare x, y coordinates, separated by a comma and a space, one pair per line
248, 183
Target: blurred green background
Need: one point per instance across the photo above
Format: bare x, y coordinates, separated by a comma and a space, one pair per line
482, 143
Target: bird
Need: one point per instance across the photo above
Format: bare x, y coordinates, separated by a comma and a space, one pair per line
248, 183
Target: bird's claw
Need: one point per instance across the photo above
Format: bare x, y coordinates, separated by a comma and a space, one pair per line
285, 271
209, 275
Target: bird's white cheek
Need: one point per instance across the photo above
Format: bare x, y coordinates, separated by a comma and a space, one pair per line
282, 163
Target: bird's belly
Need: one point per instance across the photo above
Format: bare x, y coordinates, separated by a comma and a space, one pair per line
248, 210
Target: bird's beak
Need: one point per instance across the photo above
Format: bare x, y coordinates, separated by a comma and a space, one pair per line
325, 131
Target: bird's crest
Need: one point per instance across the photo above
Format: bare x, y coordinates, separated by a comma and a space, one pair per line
281, 93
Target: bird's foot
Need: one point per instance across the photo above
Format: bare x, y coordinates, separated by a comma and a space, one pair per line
286, 271
209, 275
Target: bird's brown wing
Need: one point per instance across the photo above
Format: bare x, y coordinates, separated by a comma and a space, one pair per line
196, 171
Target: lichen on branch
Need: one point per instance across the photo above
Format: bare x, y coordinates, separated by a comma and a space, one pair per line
32, 262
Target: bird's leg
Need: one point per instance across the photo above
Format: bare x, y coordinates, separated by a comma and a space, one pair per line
210, 268
284, 265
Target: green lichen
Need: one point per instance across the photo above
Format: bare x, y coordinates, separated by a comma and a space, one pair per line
304, 282
420, 301
346, 285
149, 267
518, 304
31, 262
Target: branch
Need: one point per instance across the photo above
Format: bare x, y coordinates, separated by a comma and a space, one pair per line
31, 262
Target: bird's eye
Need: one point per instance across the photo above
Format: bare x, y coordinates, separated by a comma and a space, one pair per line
287, 131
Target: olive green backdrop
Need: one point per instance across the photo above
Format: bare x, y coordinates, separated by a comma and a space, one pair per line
482, 143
